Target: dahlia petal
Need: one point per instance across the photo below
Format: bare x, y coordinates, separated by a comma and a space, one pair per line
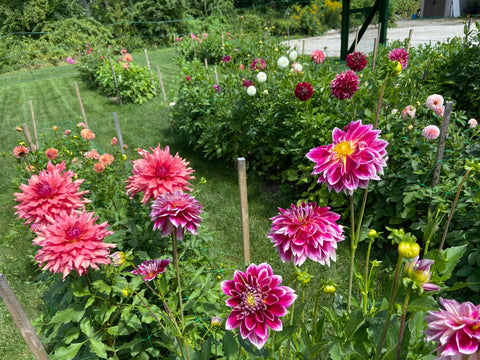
232, 321
465, 343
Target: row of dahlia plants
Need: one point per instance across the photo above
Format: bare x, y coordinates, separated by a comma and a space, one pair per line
123, 262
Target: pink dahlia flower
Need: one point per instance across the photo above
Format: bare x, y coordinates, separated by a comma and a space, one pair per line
51, 153
433, 101
456, 329
345, 85
73, 242
307, 231
49, 194
303, 91
431, 132
400, 55
258, 302
87, 134
355, 157
419, 272
473, 123
176, 212
258, 64
409, 110
439, 111
92, 154
20, 151
318, 56
158, 173
356, 61
114, 141
151, 268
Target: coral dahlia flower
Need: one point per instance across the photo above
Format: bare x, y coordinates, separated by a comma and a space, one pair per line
456, 329
356, 156
303, 91
345, 85
48, 194
317, 56
87, 134
51, 153
431, 132
151, 268
158, 173
176, 212
20, 151
356, 61
73, 242
114, 141
92, 154
306, 231
400, 55
258, 301
433, 101
99, 167
106, 159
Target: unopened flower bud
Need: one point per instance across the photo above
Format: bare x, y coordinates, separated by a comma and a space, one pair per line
216, 321
117, 258
54, 128
19, 129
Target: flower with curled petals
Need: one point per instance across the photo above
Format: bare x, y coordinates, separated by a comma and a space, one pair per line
356, 156
303, 91
431, 132
151, 268
357, 61
456, 329
158, 173
306, 231
433, 101
175, 213
258, 301
73, 242
400, 55
345, 85
317, 56
48, 194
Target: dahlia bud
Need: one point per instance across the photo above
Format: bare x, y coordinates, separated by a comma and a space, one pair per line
19, 129
216, 321
117, 258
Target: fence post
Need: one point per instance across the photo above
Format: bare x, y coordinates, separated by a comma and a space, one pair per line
119, 96
21, 320
34, 125
150, 71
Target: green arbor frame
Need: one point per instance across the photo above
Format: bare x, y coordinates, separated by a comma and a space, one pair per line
380, 5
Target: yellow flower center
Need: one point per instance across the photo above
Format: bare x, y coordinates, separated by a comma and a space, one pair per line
344, 148
251, 301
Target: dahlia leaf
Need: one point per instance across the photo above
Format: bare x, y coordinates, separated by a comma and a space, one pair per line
99, 348
230, 346
69, 352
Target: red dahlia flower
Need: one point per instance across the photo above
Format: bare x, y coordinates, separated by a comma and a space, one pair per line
456, 329
345, 85
258, 302
158, 173
48, 194
303, 91
355, 157
356, 61
73, 242
307, 231
176, 212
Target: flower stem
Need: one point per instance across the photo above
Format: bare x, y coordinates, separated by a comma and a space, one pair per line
353, 247
379, 105
177, 270
453, 209
402, 324
365, 286
389, 309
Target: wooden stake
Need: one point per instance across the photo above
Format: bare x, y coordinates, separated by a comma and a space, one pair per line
356, 39
150, 71
175, 43
167, 108
206, 68
216, 75
28, 137
34, 126
409, 40
441, 142
21, 320
119, 96
119, 133
303, 47
242, 183
81, 104
375, 49
223, 45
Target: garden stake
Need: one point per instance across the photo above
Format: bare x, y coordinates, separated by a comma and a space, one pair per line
28, 137
409, 40
375, 49
303, 47
453, 209
216, 74
150, 71
441, 143
167, 109
81, 104
356, 39
21, 320
119, 133
206, 68
34, 125
242, 183
175, 43
223, 45
119, 96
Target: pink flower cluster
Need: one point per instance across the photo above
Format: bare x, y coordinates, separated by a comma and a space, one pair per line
435, 102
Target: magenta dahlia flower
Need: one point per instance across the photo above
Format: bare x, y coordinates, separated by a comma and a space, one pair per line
48, 194
345, 85
158, 173
356, 61
456, 329
73, 242
356, 156
419, 272
306, 231
400, 55
303, 91
258, 302
431, 132
151, 268
258, 64
176, 212
318, 56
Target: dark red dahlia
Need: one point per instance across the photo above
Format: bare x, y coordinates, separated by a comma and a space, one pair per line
356, 61
303, 91
345, 85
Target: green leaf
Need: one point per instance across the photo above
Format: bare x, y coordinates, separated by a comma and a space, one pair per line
68, 315
67, 353
283, 335
422, 303
87, 327
263, 352
99, 348
461, 285
230, 346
